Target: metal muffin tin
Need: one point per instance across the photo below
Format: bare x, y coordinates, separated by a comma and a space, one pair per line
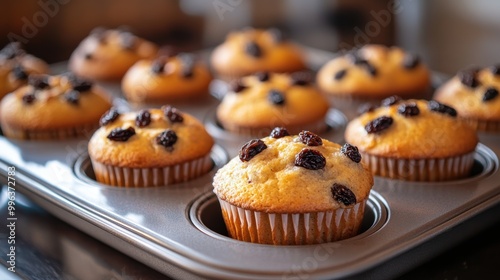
178, 230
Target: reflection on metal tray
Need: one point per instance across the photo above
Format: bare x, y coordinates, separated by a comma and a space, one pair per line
178, 229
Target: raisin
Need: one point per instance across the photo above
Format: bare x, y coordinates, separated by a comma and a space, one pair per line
172, 114
19, 72
370, 69
468, 78
110, 116
495, 70
277, 35
251, 149
79, 84
167, 138
279, 132
310, 139
120, 134
187, 62
29, 98
379, 124
343, 194
351, 152
253, 49
365, 108
72, 97
128, 40
143, 118
408, 110
340, 74
489, 94
39, 81
276, 97
441, 108
158, 65
301, 78
356, 59
262, 76
391, 100
310, 159
410, 61
237, 86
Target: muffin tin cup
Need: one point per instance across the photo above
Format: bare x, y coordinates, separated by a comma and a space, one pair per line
429, 170
151, 177
292, 228
179, 230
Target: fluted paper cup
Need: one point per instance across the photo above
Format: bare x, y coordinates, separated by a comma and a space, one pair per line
151, 177
429, 170
292, 228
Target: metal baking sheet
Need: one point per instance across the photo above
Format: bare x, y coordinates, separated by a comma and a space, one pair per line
178, 230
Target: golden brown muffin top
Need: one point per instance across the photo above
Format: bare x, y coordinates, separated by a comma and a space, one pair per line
414, 129
15, 67
106, 54
166, 78
294, 174
251, 50
374, 71
52, 102
149, 138
271, 99
473, 93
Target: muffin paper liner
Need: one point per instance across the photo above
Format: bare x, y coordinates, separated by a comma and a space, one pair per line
292, 229
316, 127
484, 125
55, 134
429, 170
151, 177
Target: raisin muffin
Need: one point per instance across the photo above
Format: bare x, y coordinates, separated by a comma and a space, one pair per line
293, 190
15, 67
251, 50
371, 74
155, 147
53, 107
258, 103
414, 140
166, 79
108, 54
474, 94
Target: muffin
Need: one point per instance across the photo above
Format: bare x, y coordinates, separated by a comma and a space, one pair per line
474, 94
258, 103
251, 50
167, 79
155, 147
372, 73
414, 140
15, 67
53, 107
108, 54
293, 190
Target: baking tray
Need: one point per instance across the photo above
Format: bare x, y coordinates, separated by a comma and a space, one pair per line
178, 230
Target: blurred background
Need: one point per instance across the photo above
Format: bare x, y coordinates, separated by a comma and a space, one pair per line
448, 34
